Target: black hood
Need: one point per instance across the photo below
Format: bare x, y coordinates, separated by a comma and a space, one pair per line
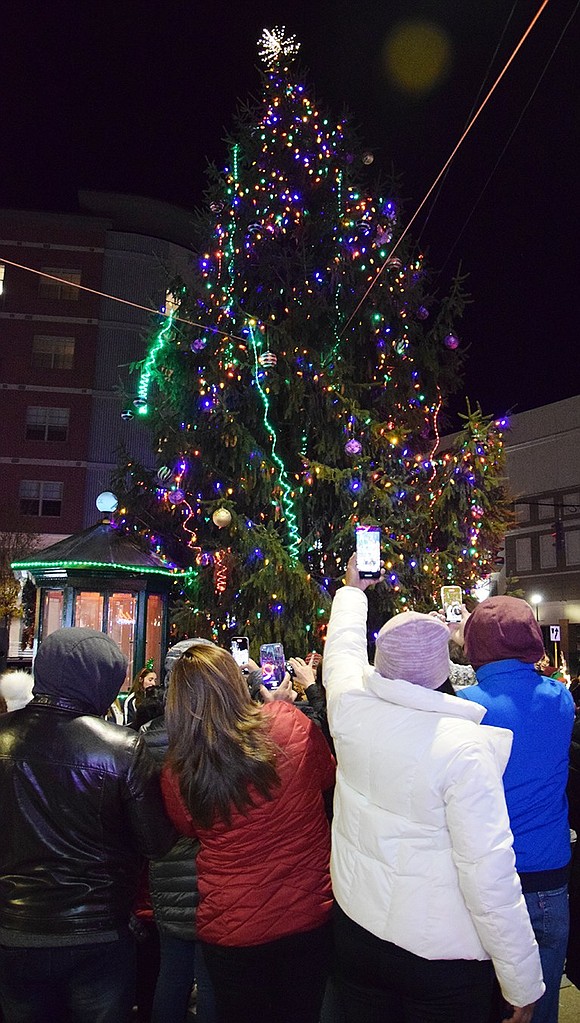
82, 666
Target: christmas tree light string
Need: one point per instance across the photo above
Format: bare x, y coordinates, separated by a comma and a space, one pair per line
285, 486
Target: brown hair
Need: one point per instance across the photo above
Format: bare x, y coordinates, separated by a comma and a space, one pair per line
219, 746
137, 688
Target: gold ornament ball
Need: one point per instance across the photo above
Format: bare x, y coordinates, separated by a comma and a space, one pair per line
221, 517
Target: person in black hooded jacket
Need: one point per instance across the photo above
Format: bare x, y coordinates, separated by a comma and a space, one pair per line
81, 806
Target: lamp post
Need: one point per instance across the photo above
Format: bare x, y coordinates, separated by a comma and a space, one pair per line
536, 600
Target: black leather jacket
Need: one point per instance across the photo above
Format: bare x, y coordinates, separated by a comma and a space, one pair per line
80, 806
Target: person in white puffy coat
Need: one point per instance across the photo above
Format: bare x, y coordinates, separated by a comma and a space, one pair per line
429, 903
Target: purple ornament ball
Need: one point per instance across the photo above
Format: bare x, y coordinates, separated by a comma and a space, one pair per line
176, 497
451, 341
353, 446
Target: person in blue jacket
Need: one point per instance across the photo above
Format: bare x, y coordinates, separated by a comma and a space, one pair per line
504, 642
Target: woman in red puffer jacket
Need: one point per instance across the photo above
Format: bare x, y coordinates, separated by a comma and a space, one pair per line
248, 782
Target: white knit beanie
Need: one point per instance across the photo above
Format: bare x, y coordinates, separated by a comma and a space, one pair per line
16, 688
414, 647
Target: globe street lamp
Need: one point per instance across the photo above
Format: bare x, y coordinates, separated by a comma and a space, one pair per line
536, 600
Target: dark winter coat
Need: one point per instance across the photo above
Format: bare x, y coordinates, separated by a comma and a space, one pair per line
173, 878
80, 800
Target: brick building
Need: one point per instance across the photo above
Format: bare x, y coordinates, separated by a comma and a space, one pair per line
65, 352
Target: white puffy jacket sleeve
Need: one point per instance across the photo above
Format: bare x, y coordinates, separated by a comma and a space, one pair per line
482, 850
345, 652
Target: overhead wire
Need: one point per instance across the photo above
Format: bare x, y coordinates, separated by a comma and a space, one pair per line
508, 142
469, 116
466, 131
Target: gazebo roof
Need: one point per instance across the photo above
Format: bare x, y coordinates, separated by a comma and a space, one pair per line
100, 548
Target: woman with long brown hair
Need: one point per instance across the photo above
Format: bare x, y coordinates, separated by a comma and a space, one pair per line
247, 781
144, 680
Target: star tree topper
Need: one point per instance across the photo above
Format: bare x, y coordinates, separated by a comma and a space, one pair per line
275, 45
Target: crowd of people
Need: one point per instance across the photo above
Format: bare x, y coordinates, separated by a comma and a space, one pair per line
367, 842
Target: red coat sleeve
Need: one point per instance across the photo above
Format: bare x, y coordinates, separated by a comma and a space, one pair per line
174, 805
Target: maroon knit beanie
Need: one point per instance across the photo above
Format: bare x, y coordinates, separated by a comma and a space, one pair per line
501, 628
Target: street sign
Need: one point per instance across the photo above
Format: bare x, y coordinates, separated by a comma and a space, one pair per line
554, 633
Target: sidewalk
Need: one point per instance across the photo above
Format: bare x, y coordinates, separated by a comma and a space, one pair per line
569, 1003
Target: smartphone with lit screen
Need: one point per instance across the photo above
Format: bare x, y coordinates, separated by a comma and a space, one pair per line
368, 551
240, 650
273, 664
451, 601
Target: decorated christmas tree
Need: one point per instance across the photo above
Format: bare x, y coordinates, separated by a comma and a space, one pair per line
295, 387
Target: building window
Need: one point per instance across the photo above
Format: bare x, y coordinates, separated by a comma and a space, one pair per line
2, 277
545, 508
547, 551
52, 352
522, 512
48, 288
46, 423
573, 547
89, 611
524, 554
40, 497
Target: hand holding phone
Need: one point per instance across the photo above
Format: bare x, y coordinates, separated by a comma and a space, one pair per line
368, 551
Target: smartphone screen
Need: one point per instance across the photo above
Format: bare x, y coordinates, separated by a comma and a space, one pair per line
273, 664
240, 649
368, 551
451, 601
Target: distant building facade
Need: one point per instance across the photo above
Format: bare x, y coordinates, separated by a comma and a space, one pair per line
65, 352
542, 551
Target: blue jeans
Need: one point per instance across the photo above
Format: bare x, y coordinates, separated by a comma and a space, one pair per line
73, 984
181, 965
550, 919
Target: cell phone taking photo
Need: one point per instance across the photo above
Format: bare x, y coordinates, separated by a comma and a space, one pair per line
273, 665
240, 650
451, 602
368, 551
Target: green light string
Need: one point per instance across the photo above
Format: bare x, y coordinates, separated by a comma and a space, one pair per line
286, 498
163, 335
230, 252
328, 359
141, 569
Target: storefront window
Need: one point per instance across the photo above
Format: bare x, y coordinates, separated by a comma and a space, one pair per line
52, 612
122, 624
89, 611
154, 631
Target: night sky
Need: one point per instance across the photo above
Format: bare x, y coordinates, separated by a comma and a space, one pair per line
136, 96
